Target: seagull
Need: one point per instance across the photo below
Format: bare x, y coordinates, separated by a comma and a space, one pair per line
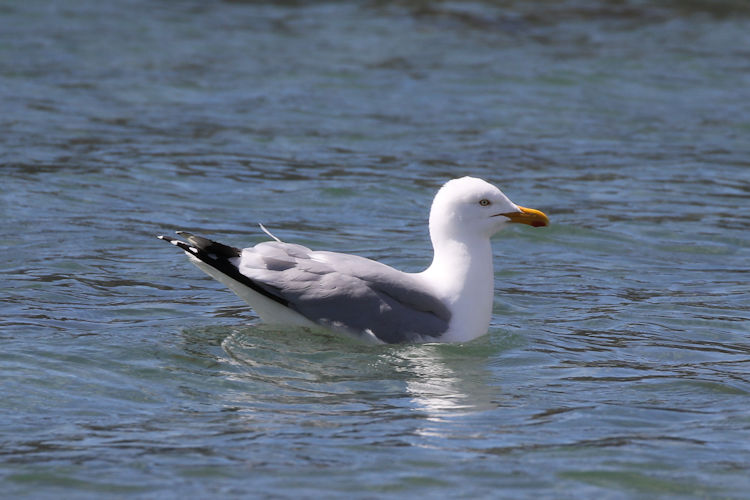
450, 301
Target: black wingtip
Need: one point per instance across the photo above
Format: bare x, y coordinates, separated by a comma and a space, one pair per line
210, 246
168, 239
217, 255
179, 244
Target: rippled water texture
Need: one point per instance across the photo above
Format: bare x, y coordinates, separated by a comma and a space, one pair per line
617, 365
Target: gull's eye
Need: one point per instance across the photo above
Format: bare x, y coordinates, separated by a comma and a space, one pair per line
484, 202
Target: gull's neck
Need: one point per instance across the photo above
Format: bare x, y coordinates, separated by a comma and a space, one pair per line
461, 274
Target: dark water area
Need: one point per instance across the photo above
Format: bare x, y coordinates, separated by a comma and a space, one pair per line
618, 361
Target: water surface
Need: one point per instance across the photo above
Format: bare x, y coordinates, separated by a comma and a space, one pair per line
617, 362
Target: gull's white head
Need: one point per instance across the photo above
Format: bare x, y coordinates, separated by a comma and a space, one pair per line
469, 207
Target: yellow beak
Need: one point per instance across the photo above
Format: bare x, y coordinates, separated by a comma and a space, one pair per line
535, 218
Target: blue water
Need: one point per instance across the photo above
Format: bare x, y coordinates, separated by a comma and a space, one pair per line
618, 361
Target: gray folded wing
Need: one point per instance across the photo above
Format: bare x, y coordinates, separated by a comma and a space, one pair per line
346, 292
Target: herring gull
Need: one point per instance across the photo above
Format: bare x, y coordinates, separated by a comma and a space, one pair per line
450, 301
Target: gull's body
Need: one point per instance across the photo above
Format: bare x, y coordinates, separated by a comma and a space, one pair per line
450, 301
